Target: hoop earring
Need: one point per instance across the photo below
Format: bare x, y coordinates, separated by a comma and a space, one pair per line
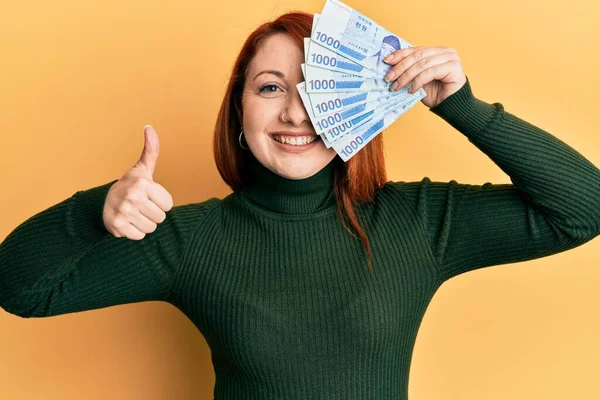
240, 140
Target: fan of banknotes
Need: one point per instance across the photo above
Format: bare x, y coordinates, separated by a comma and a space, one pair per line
344, 91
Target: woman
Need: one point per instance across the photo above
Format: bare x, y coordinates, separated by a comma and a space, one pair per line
311, 279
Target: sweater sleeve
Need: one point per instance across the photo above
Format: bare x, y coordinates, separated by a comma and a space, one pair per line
63, 260
552, 205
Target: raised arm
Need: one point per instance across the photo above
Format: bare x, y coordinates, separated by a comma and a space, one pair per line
63, 260
553, 204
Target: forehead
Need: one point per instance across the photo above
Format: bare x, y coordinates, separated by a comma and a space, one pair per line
279, 51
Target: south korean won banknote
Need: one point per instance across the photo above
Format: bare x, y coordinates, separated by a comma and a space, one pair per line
344, 110
351, 144
335, 125
349, 33
323, 103
322, 80
320, 56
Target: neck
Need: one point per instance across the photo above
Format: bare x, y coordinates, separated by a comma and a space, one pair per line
276, 193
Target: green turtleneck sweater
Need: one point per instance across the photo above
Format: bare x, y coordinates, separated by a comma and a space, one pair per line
282, 292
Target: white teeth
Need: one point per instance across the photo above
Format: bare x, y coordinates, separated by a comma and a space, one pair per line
295, 141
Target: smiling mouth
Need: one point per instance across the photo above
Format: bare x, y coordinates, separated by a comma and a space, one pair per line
294, 140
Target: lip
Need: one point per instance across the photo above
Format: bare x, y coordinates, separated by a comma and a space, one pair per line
294, 149
290, 133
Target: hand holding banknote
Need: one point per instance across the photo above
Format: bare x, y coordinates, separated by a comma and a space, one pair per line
437, 70
358, 74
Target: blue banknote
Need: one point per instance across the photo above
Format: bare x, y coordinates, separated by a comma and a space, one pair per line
349, 33
320, 56
322, 80
335, 125
349, 145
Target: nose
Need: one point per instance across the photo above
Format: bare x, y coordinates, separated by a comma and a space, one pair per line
296, 113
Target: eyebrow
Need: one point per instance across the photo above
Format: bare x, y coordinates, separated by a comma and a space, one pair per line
271, 71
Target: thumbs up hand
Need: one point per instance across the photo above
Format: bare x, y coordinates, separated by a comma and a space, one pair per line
135, 204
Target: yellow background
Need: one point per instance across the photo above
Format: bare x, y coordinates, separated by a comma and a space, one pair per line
79, 80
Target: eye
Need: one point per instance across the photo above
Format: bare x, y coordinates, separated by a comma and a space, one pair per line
269, 88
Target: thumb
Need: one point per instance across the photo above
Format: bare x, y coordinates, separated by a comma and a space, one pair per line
151, 150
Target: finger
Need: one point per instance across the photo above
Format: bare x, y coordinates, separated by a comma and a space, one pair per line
405, 58
151, 149
150, 210
131, 232
437, 72
142, 223
160, 196
397, 55
416, 69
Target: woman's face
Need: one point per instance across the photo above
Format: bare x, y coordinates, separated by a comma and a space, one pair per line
270, 93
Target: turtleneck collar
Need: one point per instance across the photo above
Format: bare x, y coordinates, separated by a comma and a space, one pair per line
272, 192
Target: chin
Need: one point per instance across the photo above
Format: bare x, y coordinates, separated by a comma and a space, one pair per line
299, 167
297, 172
296, 166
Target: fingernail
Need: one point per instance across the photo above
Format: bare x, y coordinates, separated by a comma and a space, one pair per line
389, 58
390, 76
394, 86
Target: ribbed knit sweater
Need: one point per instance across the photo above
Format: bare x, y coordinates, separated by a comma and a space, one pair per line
282, 292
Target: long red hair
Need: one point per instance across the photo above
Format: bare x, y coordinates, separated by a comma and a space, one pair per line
355, 181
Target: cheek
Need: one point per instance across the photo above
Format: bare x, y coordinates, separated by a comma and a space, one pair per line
259, 116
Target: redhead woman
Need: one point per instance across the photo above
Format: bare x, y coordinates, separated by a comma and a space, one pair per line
310, 280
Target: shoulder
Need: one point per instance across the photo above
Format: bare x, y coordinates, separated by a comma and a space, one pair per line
416, 194
427, 195
193, 222
205, 205
414, 188
196, 209
406, 189
188, 216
